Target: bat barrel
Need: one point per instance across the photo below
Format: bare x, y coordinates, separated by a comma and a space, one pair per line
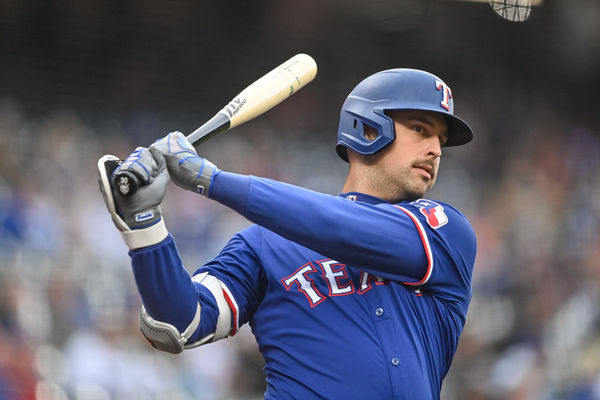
259, 97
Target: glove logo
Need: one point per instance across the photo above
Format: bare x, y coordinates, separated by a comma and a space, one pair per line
144, 216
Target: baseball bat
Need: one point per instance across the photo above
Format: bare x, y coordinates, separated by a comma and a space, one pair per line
256, 99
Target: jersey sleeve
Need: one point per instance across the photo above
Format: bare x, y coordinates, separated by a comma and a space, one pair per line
450, 244
379, 238
238, 268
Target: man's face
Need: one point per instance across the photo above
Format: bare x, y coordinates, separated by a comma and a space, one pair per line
407, 168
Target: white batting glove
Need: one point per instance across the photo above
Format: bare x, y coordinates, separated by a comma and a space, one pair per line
185, 167
138, 217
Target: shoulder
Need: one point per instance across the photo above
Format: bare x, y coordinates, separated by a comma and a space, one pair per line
436, 214
443, 220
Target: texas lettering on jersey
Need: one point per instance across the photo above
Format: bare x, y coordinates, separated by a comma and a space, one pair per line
336, 277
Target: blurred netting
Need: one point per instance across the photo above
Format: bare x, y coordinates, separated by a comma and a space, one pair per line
79, 80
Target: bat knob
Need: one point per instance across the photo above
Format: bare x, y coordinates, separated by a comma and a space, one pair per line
126, 183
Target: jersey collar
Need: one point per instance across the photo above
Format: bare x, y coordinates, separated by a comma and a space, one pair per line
365, 198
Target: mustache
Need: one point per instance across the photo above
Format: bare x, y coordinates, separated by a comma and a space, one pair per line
427, 164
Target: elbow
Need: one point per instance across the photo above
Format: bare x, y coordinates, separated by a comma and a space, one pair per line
165, 336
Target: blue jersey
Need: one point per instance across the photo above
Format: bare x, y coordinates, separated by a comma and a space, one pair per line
348, 296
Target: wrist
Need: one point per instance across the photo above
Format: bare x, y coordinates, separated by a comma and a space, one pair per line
147, 236
205, 178
142, 219
231, 190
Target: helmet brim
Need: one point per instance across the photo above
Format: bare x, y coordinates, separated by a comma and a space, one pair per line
459, 132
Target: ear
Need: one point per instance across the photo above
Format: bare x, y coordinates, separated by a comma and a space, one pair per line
369, 132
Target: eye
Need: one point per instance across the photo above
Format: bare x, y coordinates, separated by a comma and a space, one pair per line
419, 128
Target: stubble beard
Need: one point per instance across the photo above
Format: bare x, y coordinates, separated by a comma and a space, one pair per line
404, 185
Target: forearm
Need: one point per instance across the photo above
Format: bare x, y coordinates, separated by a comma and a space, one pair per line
165, 287
331, 225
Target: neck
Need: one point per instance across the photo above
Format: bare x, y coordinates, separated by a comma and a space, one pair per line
362, 176
354, 184
359, 180
362, 179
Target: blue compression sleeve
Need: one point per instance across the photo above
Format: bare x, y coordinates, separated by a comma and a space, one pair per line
377, 238
166, 289
230, 190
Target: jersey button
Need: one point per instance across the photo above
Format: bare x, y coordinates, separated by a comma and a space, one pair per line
395, 361
379, 311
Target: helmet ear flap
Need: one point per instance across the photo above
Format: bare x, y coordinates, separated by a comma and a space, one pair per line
369, 133
357, 117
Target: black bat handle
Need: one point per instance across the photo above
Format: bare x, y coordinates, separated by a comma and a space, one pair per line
126, 183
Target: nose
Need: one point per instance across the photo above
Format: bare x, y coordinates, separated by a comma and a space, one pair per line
434, 148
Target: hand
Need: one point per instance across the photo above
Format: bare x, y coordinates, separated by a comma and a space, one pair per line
185, 167
137, 217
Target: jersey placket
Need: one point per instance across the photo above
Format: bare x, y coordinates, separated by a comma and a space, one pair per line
383, 321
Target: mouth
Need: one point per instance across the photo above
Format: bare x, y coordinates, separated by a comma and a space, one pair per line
425, 170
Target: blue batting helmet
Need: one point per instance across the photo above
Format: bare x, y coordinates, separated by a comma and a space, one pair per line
394, 89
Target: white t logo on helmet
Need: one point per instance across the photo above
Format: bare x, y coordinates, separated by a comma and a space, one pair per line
446, 94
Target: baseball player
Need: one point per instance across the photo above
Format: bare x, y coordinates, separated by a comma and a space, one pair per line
357, 296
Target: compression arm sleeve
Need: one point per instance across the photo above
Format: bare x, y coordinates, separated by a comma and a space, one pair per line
377, 238
168, 293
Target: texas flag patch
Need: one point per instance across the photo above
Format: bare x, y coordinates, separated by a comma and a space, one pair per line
434, 212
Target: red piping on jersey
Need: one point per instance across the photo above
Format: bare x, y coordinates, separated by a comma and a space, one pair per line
426, 246
233, 308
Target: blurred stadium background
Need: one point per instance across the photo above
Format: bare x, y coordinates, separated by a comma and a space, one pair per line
79, 79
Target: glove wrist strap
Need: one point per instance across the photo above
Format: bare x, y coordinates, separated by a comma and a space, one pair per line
138, 238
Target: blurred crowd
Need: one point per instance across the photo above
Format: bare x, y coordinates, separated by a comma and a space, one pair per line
68, 303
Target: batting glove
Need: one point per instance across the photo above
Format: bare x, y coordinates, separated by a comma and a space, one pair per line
138, 217
185, 167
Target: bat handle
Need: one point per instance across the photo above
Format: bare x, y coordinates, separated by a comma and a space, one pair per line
126, 183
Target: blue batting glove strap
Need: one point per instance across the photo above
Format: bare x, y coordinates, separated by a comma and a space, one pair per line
186, 168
